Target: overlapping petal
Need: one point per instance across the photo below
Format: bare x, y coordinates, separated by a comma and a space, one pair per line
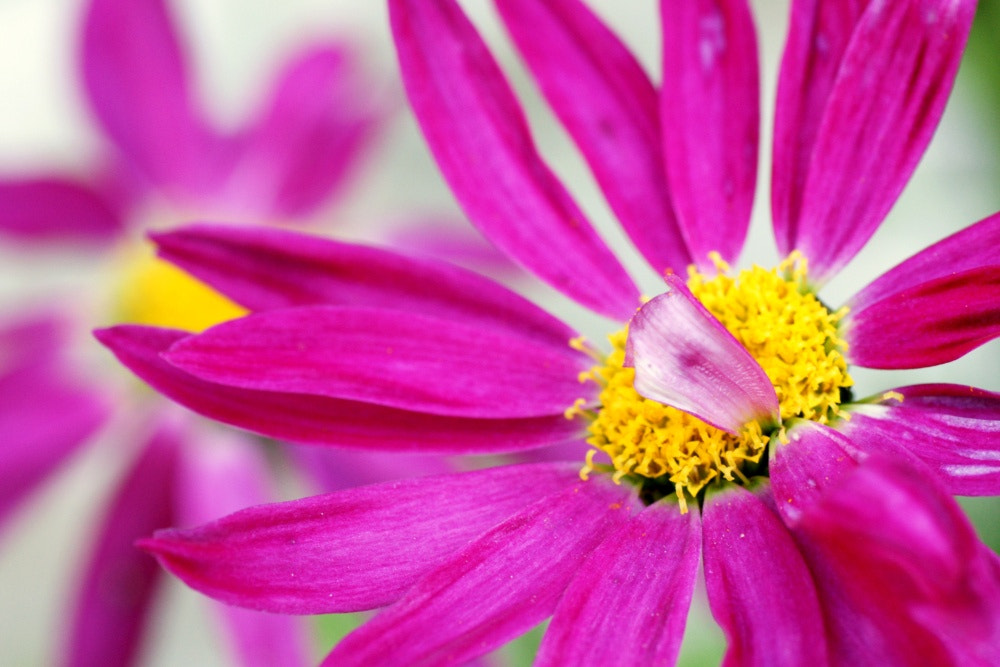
119, 582
710, 118
759, 587
457, 611
635, 587
57, 209
357, 549
889, 93
479, 136
322, 420
609, 106
953, 429
386, 357
684, 357
265, 269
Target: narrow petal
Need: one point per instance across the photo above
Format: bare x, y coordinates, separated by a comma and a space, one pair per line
34, 444
112, 606
481, 142
953, 429
57, 209
609, 106
354, 550
926, 324
759, 587
685, 358
499, 586
136, 82
399, 360
636, 587
975, 247
710, 115
904, 579
265, 269
308, 137
219, 475
889, 94
818, 36
321, 420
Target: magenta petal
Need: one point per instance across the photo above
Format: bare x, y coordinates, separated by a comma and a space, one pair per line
395, 359
759, 587
219, 475
310, 134
926, 324
353, 550
901, 572
953, 429
818, 36
55, 209
975, 247
685, 358
265, 269
609, 106
136, 81
635, 587
710, 117
120, 580
499, 586
321, 420
481, 142
890, 92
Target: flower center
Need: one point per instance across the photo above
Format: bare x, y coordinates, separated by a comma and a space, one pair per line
782, 324
157, 293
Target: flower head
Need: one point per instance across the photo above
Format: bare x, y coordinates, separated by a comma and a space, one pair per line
722, 418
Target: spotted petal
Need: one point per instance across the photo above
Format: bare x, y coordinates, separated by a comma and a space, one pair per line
481, 141
685, 358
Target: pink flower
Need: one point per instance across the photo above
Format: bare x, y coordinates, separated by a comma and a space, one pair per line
722, 419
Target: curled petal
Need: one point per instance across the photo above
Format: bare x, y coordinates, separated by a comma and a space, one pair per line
685, 358
609, 106
458, 611
357, 549
481, 142
322, 420
623, 590
710, 118
953, 429
759, 587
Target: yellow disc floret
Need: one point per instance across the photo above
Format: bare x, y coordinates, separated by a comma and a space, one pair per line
782, 324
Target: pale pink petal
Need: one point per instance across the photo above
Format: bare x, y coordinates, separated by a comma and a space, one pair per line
400, 360
890, 92
134, 72
953, 429
819, 32
710, 116
326, 421
499, 586
609, 106
759, 587
357, 549
627, 590
113, 604
479, 136
265, 269
975, 247
55, 209
685, 358
926, 324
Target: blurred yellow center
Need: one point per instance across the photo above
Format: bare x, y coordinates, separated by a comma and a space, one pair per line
156, 293
782, 325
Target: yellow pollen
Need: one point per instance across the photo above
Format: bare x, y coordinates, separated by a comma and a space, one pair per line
781, 323
156, 293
